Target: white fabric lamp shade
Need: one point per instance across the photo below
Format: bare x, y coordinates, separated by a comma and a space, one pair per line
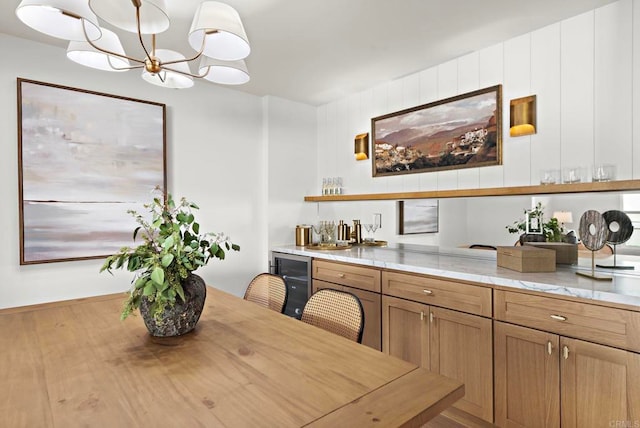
60, 18
85, 54
563, 217
224, 72
220, 25
121, 14
168, 78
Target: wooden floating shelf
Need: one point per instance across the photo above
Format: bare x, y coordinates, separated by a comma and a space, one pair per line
605, 186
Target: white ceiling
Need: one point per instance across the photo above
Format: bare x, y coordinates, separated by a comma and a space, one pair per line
317, 51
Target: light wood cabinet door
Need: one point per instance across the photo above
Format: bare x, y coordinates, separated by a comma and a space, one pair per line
600, 386
405, 330
462, 349
371, 305
527, 376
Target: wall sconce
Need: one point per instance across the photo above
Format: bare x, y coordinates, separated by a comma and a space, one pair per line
523, 116
362, 146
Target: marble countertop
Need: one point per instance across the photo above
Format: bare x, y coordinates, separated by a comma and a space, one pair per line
480, 266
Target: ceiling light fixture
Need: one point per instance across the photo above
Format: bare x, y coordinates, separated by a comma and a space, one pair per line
217, 35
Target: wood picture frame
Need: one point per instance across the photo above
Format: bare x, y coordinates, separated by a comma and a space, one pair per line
464, 131
84, 159
417, 216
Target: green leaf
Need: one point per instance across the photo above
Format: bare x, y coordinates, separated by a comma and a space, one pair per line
135, 232
220, 254
193, 205
190, 218
226, 244
196, 228
180, 291
167, 259
181, 217
168, 243
235, 247
149, 289
140, 282
157, 276
157, 222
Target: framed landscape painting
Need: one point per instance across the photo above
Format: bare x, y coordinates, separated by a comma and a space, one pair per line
464, 131
85, 158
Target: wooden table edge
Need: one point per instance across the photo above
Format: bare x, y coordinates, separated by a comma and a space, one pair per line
388, 404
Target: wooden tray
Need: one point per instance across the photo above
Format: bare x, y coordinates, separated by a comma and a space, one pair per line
373, 244
327, 247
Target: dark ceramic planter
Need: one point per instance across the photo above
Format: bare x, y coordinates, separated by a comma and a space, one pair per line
183, 316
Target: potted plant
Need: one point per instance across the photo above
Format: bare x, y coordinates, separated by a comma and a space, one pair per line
551, 230
169, 296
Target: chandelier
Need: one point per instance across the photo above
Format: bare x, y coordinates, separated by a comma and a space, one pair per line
217, 36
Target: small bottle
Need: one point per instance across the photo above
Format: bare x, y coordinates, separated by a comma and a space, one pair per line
338, 181
324, 186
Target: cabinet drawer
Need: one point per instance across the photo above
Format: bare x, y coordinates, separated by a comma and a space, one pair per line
360, 277
449, 294
609, 326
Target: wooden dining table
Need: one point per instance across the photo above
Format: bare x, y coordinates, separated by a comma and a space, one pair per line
75, 364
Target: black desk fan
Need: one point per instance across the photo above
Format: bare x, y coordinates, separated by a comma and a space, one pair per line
620, 230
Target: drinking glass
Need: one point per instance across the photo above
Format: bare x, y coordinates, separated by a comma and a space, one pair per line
371, 231
329, 233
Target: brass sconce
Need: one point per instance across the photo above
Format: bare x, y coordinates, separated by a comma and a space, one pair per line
362, 146
523, 116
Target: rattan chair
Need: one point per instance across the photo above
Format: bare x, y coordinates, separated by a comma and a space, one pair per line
335, 311
268, 290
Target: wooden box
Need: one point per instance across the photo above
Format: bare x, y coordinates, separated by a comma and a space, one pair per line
527, 259
566, 254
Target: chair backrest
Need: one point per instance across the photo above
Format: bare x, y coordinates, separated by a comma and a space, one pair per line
268, 290
335, 311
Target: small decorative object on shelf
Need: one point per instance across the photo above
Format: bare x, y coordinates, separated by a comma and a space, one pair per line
534, 228
620, 230
332, 186
603, 173
572, 175
593, 234
170, 297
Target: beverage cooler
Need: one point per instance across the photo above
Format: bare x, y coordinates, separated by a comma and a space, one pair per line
296, 272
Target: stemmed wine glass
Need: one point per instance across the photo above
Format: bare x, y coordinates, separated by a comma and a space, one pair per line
371, 231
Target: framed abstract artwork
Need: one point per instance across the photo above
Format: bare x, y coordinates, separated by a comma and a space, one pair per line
84, 159
417, 216
464, 131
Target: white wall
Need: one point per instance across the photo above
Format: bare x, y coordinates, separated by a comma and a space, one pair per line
217, 157
585, 72
291, 134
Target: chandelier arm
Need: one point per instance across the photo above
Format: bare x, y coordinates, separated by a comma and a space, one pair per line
140, 34
133, 67
98, 48
198, 76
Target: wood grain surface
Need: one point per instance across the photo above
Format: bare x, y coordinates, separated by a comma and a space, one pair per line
75, 364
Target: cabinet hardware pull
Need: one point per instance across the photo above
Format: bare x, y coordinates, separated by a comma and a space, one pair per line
421, 316
565, 352
549, 348
341, 275
431, 317
428, 292
558, 317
